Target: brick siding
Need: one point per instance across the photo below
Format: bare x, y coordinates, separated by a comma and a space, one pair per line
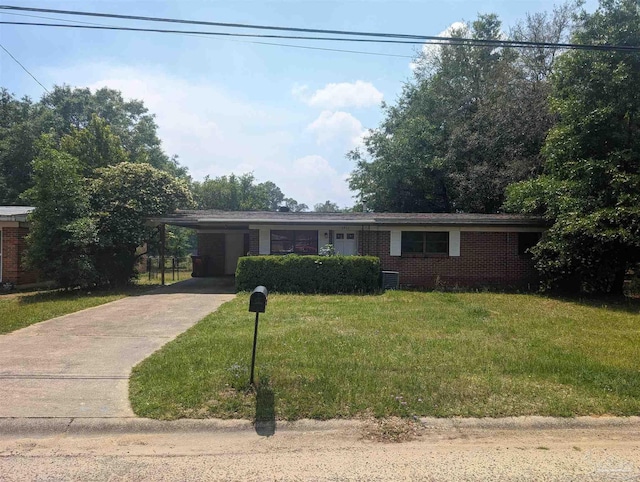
13, 248
486, 259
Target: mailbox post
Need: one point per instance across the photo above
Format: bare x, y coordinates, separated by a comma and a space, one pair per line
257, 305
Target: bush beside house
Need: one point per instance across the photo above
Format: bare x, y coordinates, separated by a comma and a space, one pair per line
309, 274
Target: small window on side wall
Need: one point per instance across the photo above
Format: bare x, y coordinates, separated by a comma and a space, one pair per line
527, 241
425, 243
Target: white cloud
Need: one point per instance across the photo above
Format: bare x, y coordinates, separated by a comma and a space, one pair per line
338, 96
315, 179
216, 132
431, 50
340, 127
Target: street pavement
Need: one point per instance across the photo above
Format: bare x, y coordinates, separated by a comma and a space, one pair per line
515, 449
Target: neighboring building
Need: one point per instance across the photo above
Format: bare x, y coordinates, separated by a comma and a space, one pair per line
426, 249
13, 231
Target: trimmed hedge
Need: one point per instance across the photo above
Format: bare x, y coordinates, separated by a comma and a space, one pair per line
309, 274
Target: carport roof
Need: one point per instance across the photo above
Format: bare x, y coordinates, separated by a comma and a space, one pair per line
15, 213
237, 219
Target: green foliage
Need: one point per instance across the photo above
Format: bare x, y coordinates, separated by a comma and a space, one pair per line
591, 187
471, 121
63, 233
94, 146
99, 128
309, 274
240, 193
122, 198
326, 207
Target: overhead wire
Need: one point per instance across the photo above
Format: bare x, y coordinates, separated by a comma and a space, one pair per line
24, 68
197, 34
423, 38
433, 41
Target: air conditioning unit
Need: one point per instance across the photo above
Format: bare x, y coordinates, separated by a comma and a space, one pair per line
390, 280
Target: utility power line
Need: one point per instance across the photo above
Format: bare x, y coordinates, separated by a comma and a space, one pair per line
406, 37
436, 41
24, 68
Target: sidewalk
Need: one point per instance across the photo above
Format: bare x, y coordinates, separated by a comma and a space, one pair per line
78, 365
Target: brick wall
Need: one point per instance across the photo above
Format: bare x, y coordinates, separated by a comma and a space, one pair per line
486, 259
254, 242
13, 248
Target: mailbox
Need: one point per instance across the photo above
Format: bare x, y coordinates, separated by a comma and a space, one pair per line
258, 300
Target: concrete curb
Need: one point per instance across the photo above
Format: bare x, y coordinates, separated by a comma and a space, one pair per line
97, 426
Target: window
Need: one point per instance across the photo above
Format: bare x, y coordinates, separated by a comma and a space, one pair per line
526, 241
423, 243
298, 242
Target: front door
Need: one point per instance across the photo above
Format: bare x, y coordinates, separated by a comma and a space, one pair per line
345, 243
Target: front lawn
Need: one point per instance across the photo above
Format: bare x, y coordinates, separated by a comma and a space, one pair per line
24, 309
401, 353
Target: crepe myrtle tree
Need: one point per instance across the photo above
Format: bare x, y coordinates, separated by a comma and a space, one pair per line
122, 198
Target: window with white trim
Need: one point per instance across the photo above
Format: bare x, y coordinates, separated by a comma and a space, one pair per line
425, 243
294, 241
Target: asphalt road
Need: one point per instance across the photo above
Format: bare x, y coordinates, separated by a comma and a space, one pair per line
521, 449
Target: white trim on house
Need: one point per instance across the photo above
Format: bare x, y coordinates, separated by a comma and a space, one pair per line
454, 242
395, 243
265, 241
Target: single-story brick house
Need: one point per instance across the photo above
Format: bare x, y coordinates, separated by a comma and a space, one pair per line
426, 249
13, 231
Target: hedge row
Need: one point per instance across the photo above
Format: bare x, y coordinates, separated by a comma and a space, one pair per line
309, 274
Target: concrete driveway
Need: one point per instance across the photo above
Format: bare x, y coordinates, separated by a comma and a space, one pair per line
78, 365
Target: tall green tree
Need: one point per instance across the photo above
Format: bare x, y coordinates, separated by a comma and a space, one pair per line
470, 122
20, 128
63, 233
238, 193
590, 189
94, 146
75, 113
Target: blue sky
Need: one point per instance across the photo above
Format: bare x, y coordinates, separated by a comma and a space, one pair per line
288, 115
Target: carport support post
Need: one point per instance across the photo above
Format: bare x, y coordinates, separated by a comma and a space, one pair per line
162, 242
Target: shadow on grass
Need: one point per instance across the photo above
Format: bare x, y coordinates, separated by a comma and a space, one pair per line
265, 422
623, 304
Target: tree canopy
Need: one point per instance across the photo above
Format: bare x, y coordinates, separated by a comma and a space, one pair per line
470, 122
241, 193
98, 128
590, 188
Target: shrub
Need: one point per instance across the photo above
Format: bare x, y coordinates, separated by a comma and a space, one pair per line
309, 274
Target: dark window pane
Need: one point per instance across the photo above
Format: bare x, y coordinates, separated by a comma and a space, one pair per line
412, 242
526, 241
351, 236
339, 236
437, 243
422, 242
282, 242
306, 242
300, 242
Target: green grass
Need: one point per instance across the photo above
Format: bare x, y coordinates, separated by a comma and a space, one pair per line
19, 310
400, 354
24, 309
